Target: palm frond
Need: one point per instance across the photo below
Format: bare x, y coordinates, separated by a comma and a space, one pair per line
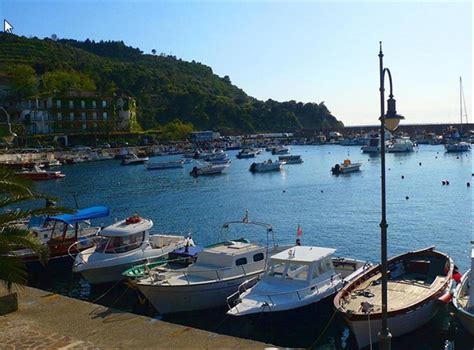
12, 272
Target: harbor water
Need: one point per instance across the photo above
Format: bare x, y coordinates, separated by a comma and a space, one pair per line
341, 212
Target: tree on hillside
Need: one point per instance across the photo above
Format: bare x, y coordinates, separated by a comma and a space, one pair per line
15, 190
22, 80
153, 51
64, 80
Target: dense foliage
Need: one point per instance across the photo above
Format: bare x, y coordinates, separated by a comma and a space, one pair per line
165, 87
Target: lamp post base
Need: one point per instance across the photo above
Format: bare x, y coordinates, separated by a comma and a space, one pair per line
385, 340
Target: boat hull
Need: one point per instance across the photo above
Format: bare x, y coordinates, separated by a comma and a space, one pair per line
465, 318
398, 325
193, 297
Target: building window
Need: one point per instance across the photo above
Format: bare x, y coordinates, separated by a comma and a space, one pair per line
60, 116
94, 115
83, 104
83, 115
104, 115
84, 126
71, 116
95, 125
94, 104
71, 104
104, 104
58, 103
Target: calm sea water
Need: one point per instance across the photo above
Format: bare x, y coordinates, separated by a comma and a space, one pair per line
342, 212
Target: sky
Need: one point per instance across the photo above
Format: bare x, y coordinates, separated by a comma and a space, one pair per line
303, 51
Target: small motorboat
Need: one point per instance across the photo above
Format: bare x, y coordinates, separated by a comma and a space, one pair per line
59, 232
463, 298
247, 153
125, 244
217, 273
209, 169
346, 167
417, 282
164, 165
295, 159
267, 165
373, 145
457, 147
280, 150
38, 174
401, 145
294, 278
133, 159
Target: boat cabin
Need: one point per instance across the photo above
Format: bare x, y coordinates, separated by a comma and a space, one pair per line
228, 259
66, 229
125, 235
301, 263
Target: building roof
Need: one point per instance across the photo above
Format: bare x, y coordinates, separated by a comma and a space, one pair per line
304, 254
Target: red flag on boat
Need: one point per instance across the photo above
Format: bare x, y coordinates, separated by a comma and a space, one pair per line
299, 231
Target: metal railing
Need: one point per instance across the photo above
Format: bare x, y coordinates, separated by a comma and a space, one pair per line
299, 293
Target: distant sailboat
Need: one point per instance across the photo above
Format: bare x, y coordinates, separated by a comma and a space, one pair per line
459, 145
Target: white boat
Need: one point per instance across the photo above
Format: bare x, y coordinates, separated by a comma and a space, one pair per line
124, 244
373, 145
247, 153
457, 147
133, 159
164, 165
294, 278
294, 159
267, 165
346, 167
209, 169
417, 282
401, 145
280, 150
221, 161
217, 273
463, 298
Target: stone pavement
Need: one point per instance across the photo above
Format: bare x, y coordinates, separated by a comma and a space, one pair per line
51, 321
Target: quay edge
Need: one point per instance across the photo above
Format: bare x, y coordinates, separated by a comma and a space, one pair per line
51, 320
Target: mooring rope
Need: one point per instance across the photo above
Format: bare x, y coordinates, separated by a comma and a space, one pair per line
312, 346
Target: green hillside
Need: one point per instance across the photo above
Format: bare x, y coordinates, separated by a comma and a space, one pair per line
165, 87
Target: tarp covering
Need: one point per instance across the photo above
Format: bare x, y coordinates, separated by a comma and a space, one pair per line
82, 215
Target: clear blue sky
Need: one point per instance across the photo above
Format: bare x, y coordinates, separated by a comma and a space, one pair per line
306, 51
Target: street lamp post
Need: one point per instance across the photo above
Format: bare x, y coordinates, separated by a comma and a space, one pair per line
389, 121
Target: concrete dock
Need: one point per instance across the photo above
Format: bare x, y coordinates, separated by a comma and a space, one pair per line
51, 321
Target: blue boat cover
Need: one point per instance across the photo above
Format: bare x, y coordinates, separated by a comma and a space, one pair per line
82, 215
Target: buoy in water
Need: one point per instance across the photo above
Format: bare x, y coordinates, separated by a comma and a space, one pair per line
419, 163
403, 177
407, 198
443, 182
447, 182
468, 184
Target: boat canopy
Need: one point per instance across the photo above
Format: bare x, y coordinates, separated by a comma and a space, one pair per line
303, 254
82, 215
127, 227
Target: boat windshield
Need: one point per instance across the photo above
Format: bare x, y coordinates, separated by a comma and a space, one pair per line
120, 244
289, 270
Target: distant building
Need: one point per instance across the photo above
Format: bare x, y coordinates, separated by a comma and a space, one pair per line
204, 136
76, 112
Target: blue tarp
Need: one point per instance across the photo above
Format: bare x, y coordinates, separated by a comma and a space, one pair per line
82, 215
